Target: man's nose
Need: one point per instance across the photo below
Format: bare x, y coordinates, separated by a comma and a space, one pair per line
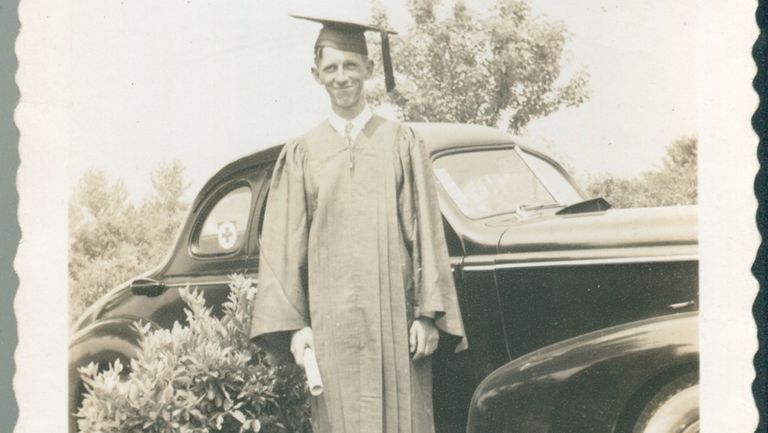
341, 76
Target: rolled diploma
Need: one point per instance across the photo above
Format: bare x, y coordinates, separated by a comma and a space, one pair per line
314, 382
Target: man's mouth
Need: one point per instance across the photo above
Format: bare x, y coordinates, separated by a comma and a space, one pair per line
343, 92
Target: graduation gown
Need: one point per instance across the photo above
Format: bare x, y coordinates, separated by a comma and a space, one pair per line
357, 252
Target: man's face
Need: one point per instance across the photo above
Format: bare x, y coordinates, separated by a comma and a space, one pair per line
343, 74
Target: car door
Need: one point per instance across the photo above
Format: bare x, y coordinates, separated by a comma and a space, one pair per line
213, 246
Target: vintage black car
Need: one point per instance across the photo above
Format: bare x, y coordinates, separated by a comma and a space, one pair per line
580, 318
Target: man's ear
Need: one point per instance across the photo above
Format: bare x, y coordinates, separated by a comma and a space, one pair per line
316, 74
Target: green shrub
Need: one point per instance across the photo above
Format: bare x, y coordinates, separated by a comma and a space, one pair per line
206, 376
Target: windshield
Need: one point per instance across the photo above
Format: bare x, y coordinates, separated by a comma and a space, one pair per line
484, 183
552, 178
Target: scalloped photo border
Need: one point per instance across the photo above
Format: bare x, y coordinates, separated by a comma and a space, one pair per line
729, 46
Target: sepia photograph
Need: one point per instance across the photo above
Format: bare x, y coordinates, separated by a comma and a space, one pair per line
413, 216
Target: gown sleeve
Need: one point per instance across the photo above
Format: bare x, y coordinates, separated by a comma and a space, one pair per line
435, 292
280, 303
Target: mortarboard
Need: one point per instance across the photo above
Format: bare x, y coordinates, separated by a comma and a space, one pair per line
350, 36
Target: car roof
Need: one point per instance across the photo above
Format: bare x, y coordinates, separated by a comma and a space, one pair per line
437, 136
442, 136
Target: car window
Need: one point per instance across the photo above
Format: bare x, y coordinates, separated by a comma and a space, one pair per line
552, 179
226, 224
483, 183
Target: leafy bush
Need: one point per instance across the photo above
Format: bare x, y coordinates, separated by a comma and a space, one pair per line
207, 376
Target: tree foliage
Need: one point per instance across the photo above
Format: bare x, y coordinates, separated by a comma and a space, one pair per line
111, 239
473, 68
674, 183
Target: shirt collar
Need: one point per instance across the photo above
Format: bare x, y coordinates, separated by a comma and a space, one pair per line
358, 123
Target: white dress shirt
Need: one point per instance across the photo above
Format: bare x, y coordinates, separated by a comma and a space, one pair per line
358, 123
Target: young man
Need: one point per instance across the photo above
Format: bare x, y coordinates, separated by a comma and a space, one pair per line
353, 257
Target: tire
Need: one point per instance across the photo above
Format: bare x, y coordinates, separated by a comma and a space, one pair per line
673, 409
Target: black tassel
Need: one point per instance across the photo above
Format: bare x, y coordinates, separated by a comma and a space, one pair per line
389, 77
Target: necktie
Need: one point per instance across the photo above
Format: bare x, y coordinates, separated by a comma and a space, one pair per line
348, 137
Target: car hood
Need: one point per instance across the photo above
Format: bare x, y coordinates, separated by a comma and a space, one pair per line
615, 233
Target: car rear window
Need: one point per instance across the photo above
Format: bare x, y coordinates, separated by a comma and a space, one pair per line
226, 224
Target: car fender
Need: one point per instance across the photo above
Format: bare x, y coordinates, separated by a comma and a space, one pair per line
588, 383
101, 342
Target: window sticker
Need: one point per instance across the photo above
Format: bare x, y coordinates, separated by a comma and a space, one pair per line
227, 235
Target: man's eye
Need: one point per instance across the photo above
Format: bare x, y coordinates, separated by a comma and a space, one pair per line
350, 66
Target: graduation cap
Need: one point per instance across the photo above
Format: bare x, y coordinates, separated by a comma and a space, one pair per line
350, 36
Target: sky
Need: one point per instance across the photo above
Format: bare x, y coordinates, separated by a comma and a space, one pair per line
208, 81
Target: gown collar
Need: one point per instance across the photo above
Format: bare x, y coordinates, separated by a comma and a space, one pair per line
358, 123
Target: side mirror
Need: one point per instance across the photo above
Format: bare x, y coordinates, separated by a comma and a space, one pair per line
147, 287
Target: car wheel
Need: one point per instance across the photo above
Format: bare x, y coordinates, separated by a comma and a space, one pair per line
674, 409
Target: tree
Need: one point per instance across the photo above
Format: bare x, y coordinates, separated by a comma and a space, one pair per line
112, 239
168, 187
480, 69
101, 222
100, 216
164, 209
675, 183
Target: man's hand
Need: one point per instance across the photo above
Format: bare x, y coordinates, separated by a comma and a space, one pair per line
423, 337
300, 340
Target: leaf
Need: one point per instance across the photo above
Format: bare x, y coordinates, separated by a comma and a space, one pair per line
167, 394
239, 416
256, 425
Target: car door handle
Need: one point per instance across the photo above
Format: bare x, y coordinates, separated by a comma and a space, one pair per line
147, 287
681, 305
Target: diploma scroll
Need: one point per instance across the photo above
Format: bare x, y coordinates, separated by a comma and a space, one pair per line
313, 373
